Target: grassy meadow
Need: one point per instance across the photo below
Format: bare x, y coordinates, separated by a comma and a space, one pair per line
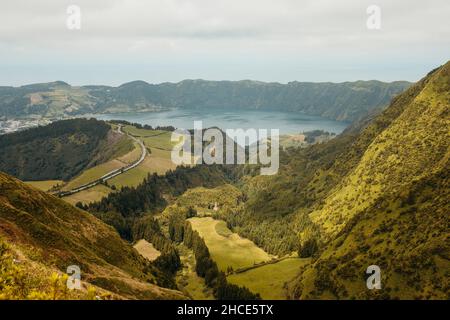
269, 280
227, 249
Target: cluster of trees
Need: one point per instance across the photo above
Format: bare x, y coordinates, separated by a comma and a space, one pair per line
59, 150
333, 100
143, 126
180, 230
148, 196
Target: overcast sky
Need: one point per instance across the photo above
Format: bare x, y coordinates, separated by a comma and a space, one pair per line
267, 40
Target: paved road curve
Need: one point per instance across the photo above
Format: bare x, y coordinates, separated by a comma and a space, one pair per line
111, 174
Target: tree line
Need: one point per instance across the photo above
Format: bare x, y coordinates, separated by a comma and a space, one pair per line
130, 210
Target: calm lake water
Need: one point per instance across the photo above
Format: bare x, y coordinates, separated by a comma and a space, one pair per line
286, 122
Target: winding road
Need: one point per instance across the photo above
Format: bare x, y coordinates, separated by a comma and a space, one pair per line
110, 174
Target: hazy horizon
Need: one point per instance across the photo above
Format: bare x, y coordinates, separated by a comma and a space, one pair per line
263, 40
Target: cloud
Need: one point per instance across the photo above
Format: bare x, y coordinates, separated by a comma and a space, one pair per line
220, 31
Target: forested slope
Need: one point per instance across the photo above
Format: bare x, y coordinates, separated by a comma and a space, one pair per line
391, 209
58, 151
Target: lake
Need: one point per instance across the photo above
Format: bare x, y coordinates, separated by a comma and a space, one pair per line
286, 122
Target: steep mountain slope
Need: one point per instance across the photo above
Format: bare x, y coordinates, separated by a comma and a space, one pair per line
376, 194
52, 233
391, 208
60, 150
340, 101
406, 235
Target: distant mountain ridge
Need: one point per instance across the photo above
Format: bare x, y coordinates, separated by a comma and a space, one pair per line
339, 101
49, 234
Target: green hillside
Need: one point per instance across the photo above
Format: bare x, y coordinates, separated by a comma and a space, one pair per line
340, 101
377, 194
49, 234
